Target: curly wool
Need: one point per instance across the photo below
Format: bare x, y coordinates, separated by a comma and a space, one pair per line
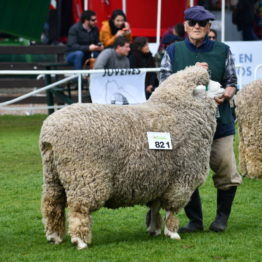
99, 156
249, 117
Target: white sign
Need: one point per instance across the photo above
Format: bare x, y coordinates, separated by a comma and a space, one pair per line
159, 140
247, 54
118, 86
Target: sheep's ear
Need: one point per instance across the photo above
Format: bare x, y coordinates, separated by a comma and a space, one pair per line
199, 91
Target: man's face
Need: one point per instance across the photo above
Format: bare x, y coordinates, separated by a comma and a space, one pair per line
123, 50
197, 31
92, 22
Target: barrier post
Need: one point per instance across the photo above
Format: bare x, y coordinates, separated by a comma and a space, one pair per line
79, 88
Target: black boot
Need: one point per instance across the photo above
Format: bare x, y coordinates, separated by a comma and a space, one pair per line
224, 202
194, 212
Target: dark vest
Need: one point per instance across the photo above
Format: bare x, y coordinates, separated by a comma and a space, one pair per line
216, 66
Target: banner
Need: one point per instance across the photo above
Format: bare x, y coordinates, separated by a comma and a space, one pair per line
248, 55
118, 86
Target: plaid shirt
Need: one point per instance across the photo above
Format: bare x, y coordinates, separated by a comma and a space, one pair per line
166, 68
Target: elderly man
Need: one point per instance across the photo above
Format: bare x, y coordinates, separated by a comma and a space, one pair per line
216, 57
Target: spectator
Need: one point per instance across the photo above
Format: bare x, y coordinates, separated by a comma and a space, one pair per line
212, 35
166, 41
83, 40
141, 57
115, 27
115, 57
244, 17
177, 30
217, 58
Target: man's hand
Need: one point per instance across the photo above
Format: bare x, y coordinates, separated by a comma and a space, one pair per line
149, 88
94, 47
228, 94
203, 64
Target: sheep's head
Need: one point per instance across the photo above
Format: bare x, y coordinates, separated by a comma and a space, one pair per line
194, 75
182, 83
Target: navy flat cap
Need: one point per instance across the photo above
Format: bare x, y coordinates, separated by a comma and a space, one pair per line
198, 13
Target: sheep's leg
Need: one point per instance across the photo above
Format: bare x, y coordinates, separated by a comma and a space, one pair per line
84, 195
79, 222
153, 219
171, 225
53, 198
53, 208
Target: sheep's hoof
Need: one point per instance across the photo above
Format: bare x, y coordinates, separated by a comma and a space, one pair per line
79, 243
54, 238
172, 235
154, 233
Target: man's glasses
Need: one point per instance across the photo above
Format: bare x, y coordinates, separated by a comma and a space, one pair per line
93, 20
200, 23
212, 37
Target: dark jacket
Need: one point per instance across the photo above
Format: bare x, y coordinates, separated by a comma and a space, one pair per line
144, 60
244, 14
80, 39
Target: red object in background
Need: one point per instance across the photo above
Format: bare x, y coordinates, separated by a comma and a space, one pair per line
77, 9
142, 15
53, 5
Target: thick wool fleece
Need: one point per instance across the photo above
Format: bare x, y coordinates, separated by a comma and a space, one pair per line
98, 155
249, 117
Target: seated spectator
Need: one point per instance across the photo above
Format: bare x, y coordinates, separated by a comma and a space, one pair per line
115, 57
83, 40
116, 26
212, 35
141, 57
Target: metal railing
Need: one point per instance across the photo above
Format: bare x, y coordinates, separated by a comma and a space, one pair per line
73, 74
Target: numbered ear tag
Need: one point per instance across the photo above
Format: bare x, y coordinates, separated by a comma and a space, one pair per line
159, 140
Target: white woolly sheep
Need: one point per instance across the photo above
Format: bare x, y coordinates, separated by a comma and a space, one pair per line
98, 156
249, 117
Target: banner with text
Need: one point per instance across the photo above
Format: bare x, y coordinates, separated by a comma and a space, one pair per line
247, 54
118, 86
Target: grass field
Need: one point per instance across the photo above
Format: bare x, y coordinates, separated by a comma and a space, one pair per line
118, 235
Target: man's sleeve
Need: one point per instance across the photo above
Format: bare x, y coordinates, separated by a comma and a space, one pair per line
230, 77
166, 66
72, 41
102, 59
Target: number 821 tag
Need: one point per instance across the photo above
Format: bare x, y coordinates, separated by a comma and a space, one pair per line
159, 140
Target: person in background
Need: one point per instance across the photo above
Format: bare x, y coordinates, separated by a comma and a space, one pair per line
176, 30
83, 40
115, 57
212, 35
166, 41
141, 57
217, 58
116, 26
243, 16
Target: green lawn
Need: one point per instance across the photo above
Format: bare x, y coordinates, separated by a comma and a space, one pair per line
118, 235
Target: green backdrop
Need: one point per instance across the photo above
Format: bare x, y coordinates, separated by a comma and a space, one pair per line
24, 18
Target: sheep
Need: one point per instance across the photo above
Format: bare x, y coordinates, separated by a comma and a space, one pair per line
249, 117
98, 155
